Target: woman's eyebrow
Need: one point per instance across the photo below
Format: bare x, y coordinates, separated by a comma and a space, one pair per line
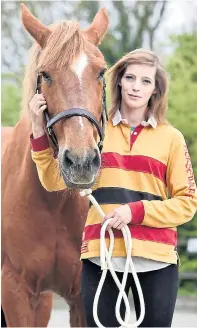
147, 77
143, 77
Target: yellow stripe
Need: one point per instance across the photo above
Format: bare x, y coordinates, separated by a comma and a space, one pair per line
146, 249
94, 217
117, 139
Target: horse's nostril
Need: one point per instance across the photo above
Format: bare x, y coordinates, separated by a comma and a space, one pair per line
96, 159
68, 159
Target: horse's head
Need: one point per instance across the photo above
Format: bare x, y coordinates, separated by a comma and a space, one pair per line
71, 69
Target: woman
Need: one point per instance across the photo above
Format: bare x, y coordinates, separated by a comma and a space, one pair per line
146, 182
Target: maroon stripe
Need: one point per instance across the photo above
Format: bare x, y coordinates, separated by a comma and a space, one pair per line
137, 211
160, 235
40, 143
136, 163
135, 134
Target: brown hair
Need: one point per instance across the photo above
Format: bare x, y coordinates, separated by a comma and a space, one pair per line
157, 105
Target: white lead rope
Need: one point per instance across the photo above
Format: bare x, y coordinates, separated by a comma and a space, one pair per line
106, 264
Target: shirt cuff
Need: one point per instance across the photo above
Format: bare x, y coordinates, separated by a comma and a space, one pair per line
40, 143
137, 212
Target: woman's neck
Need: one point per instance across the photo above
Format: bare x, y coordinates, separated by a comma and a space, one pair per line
134, 116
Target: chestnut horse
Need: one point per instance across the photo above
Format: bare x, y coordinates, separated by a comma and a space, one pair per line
42, 231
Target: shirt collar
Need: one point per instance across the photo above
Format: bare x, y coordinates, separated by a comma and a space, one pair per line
118, 118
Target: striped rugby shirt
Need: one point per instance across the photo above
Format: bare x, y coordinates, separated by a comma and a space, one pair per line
141, 264
151, 171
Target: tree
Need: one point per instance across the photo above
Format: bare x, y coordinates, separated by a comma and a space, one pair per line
182, 68
183, 90
134, 22
131, 23
15, 40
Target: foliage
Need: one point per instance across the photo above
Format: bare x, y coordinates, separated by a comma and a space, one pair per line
134, 22
183, 90
15, 39
182, 66
11, 98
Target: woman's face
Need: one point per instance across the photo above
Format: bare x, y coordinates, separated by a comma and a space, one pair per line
137, 85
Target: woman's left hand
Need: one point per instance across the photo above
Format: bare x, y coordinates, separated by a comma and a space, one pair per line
120, 217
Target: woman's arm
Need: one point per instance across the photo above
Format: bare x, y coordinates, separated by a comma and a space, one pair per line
42, 155
182, 205
47, 166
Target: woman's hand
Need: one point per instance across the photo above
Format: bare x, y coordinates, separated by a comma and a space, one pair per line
37, 106
120, 217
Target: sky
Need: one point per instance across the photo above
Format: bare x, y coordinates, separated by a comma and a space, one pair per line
179, 16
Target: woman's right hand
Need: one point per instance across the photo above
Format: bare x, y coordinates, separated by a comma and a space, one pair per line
37, 106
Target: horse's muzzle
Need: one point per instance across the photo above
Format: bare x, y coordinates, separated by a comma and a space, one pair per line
80, 171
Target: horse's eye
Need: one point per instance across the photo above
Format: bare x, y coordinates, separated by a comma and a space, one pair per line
101, 74
46, 77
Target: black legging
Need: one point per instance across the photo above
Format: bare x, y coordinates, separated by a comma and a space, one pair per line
3, 322
159, 289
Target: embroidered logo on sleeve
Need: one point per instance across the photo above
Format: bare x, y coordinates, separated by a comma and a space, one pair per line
190, 173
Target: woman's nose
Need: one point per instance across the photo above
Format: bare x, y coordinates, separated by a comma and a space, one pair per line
136, 89
136, 86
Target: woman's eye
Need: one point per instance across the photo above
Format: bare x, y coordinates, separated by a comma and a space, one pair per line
147, 81
129, 77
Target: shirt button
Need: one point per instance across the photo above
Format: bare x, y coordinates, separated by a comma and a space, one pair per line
135, 133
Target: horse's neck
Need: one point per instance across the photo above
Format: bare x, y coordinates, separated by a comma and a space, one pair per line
20, 175
21, 136
21, 139
20, 148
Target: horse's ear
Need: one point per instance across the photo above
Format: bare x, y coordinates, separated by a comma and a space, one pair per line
37, 30
96, 31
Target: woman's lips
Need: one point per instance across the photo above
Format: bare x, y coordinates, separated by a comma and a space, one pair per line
134, 96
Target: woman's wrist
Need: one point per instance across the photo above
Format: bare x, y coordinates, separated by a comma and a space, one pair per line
37, 131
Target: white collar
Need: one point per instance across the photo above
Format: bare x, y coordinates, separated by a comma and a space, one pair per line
118, 118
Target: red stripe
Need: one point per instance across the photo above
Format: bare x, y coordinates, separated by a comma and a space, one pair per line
160, 235
136, 163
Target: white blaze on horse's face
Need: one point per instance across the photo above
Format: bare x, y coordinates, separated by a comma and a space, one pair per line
78, 67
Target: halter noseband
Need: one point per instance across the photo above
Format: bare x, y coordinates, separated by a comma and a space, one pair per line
75, 112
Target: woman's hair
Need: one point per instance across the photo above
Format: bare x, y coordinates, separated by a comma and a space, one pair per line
157, 104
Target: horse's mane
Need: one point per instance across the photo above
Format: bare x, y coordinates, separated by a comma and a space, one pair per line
63, 45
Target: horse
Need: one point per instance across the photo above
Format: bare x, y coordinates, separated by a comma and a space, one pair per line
41, 230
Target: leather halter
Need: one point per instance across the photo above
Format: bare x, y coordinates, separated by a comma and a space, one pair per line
75, 112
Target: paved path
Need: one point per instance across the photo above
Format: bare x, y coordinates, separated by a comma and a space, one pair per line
182, 317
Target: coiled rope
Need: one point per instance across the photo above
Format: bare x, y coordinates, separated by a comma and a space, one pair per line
106, 264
